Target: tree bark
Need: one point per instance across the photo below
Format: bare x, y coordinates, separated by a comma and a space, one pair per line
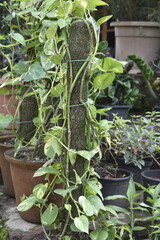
27, 112
79, 48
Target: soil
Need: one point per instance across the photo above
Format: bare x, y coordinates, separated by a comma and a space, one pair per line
10, 141
27, 156
108, 171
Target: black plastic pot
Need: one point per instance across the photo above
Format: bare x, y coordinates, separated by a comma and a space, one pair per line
116, 186
155, 164
120, 110
1, 179
134, 169
150, 178
157, 108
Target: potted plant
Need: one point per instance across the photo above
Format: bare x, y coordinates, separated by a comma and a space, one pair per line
7, 97
114, 182
61, 51
120, 95
135, 144
6, 142
136, 21
150, 178
150, 77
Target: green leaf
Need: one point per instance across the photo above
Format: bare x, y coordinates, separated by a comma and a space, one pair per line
51, 31
103, 19
156, 193
47, 23
82, 223
93, 110
78, 178
131, 191
138, 228
68, 207
58, 58
5, 120
19, 38
57, 90
111, 232
115, 197
83, 3
91, 205
67, 238
27, 204
52, 147
80, 6
88, 154
4, 91
40, 190
111, 210
49, 3
93, 4
46, 170
28, 10
72, 156
101, 234
65, 11
2, 38
63, 22
103, 111
74, 228
46, 61
146, 70
86, 205
42, 35
17, 146
103, 81
118, 209
111, 65
96, 202
95, 185
20, 67
64, 192
50, 215
49, 48
35, 72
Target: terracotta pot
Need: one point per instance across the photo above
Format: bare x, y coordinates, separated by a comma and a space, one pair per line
23, 181
8, 103
5, 167
137, 38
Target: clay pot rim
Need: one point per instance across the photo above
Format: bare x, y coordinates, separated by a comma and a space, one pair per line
135, 24
6, 137
9, 155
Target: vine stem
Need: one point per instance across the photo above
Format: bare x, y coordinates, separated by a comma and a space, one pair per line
65, 227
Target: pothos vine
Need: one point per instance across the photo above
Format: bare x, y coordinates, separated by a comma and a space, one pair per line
43, 30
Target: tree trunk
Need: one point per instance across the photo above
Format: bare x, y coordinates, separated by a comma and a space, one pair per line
79, 48
28, 110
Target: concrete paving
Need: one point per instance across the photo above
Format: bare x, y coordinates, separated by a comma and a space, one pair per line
17, 228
